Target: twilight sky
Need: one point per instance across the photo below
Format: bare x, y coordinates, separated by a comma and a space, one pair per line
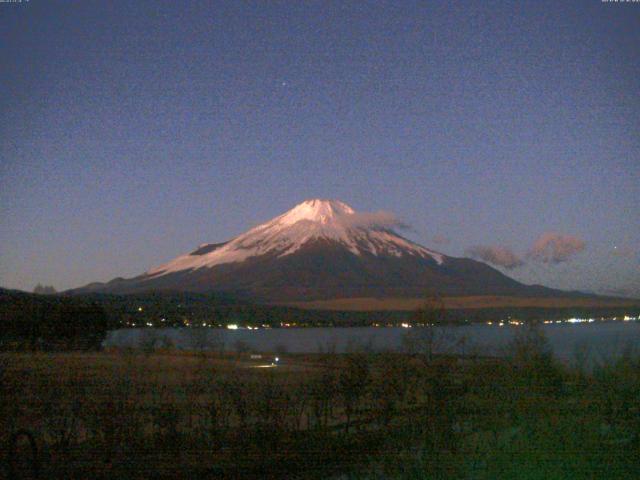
132, 131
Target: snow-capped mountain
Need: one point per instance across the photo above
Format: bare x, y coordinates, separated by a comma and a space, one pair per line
323, 249
328, 220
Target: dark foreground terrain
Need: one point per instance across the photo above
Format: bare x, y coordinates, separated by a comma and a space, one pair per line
168, 414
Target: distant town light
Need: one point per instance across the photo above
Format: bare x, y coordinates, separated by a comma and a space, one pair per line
576, 320
232, 326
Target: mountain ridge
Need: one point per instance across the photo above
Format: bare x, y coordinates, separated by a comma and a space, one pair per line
320, 250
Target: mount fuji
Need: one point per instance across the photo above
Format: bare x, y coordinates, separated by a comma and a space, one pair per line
321, 250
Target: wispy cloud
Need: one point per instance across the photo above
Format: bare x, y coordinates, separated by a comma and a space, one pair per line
441, 240
554, 248
496, 255
379, 219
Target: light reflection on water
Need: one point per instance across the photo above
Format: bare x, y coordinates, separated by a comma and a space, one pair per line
601, 341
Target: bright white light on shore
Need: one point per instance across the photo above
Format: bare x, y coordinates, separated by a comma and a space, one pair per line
405, 325
232, 326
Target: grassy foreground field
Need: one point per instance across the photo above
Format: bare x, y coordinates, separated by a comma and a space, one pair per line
167, 414
470, 302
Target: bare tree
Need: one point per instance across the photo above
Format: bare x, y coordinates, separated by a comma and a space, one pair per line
148, 340
427, 335
352, 383
198, 340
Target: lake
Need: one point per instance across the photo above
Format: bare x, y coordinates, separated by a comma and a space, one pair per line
599, 341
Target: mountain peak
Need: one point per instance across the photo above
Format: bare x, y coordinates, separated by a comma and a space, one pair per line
313, 220
316, 210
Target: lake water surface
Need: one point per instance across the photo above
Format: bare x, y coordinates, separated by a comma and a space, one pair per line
600, 341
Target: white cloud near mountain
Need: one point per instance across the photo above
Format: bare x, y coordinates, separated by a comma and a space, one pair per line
496, 255
554, 248
550, 248
379, 219
441, 240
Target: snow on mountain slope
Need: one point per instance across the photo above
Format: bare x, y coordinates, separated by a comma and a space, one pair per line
311, 220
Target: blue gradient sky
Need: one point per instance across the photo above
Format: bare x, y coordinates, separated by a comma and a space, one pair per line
131, 131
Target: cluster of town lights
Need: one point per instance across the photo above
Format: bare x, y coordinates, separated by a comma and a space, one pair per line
500, 323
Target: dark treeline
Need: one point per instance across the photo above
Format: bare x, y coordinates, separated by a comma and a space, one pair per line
31, 321
51, 322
